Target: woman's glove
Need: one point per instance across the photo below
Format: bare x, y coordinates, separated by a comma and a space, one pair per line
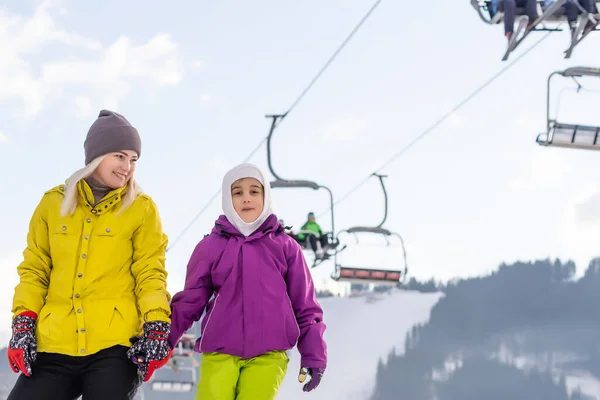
151, 351
22, 348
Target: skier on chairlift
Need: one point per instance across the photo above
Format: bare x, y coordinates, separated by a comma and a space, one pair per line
318, 241
510, 9
573, 11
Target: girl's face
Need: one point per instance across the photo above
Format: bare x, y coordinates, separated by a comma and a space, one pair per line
248, 198
116, 169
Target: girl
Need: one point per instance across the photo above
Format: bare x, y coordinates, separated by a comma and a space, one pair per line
93, 270
264, 298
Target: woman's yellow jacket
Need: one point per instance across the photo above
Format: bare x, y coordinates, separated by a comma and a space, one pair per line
93, 277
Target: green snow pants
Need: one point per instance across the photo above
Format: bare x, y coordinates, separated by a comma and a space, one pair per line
226, 377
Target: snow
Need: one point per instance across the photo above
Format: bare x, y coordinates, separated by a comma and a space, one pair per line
583, 381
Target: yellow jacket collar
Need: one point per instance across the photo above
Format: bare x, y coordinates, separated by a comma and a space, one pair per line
86, 198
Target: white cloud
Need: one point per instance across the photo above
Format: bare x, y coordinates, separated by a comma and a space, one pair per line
3, 138
205, 98
587, 210
106, 74
581, 225
582, 213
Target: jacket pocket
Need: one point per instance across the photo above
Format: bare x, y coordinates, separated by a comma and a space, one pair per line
52, 324
112, 319
64, 236
65, 227
106, 238
204, 326
292, 327
130, 319
108, 228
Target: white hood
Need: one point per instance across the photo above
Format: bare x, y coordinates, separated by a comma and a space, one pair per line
245, 170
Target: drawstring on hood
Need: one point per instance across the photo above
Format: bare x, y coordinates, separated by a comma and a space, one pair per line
245, 170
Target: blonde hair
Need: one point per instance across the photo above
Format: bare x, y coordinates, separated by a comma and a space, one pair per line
70, 201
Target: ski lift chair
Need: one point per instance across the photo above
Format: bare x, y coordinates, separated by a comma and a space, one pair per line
303, 184
565, 135
491, 16
346, 273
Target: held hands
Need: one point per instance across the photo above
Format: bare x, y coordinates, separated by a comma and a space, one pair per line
22, 348
151, 351
316, 374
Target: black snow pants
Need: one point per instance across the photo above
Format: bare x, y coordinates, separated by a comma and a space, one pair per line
313, 242
106, 375
573, 10
510, 9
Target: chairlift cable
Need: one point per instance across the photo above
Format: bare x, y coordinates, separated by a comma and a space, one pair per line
334, 55
440, 120
294, 104
328, 63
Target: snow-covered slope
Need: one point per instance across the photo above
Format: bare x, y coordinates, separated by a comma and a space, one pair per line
360, 331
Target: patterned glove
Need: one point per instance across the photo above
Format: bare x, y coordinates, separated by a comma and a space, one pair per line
151, 350
316, 374
22, 348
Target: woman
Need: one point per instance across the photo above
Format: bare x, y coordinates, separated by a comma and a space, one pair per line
92, 278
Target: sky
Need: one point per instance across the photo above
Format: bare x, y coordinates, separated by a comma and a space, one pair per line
198, 78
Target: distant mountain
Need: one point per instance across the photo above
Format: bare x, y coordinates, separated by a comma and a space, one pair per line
526, 331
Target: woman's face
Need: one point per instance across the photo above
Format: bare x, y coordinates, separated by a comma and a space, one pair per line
248, 198
116, 169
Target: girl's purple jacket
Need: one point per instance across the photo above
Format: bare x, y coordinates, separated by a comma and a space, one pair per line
264, 297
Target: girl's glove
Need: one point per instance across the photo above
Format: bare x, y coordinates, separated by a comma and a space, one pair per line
316, 374
22, 348
151, 351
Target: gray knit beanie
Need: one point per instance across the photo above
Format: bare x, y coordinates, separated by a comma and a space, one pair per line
109, 133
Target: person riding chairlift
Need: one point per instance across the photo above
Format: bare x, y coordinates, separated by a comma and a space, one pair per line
572, 12
510, 9
318, 241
